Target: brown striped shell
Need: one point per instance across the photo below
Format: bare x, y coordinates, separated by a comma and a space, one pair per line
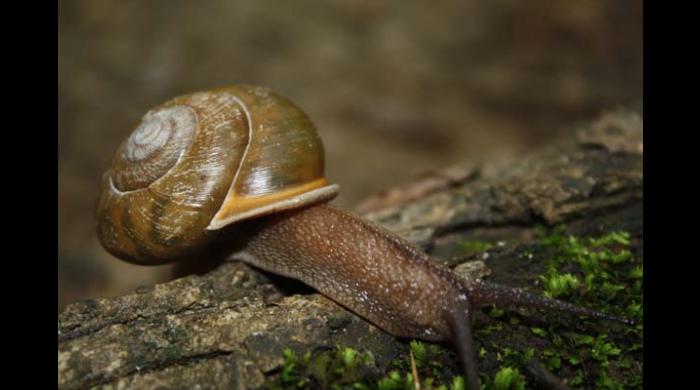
200, 162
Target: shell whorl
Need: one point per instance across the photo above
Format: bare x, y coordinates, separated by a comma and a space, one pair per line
170, 176
154, 147
202, 161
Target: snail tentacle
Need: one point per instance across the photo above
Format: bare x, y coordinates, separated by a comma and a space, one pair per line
461, 326
485, 293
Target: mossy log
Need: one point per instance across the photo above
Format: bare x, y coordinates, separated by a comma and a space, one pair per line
227, 328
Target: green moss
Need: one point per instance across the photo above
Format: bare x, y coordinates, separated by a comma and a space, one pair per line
396, 381
605, 264
475, 246
557, 285
348, 356
553, 363
604, 381
527, 356
577, 379
622, 238
602, 349
637, 272
602, 273
538, 331
457, 383
497, 312
610, 290
348, 368
289, 374
420, 352
508, 378
488, 329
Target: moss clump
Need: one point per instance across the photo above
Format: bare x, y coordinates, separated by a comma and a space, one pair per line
557, 285
348, 368
396, 381
343, 367
600, 269
474, 246
508, 378
599, 272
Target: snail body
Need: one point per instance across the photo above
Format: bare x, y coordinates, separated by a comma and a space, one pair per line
245, 164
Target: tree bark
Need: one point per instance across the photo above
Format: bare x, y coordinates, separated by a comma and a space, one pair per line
228, 327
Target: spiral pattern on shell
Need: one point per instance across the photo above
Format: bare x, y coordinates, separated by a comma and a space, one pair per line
154, 147
202, 161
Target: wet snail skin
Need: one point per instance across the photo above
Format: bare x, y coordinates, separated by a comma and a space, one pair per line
246, 163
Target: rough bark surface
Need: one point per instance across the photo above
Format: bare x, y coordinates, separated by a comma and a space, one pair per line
228, 327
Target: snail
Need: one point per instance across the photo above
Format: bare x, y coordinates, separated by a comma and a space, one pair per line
246, 164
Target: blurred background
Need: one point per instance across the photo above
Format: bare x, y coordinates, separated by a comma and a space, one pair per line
395, 88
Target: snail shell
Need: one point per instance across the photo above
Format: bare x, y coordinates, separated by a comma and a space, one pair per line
202, 161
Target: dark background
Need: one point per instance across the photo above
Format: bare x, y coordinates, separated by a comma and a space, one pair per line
395, 88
